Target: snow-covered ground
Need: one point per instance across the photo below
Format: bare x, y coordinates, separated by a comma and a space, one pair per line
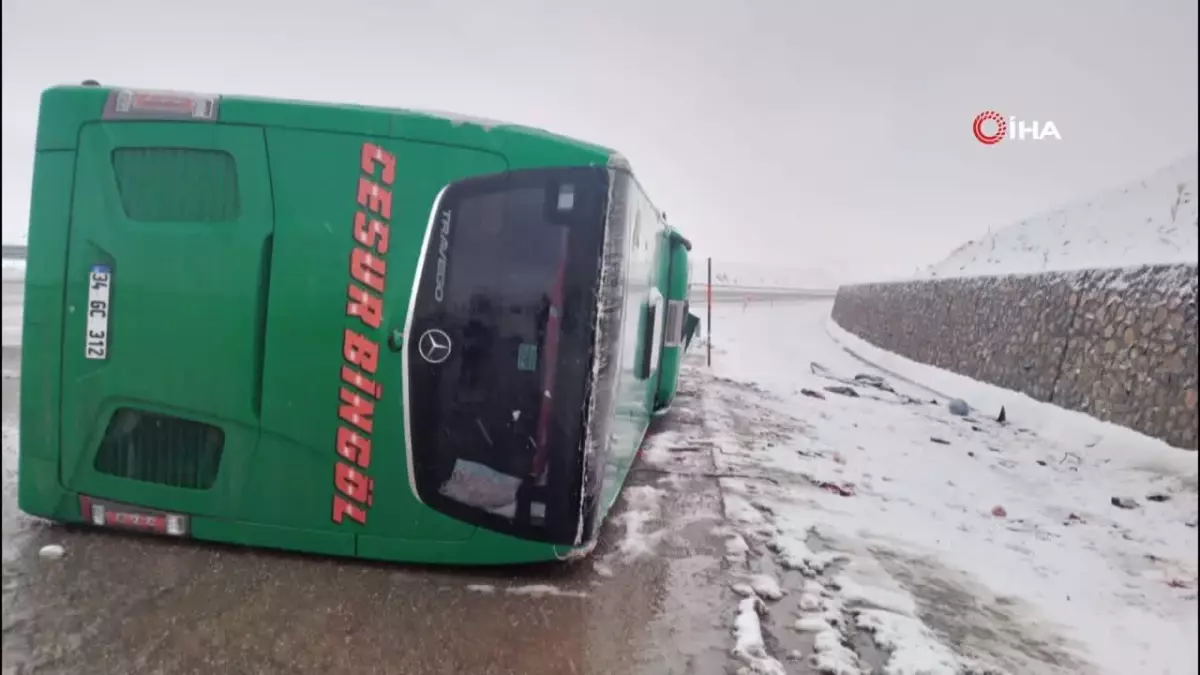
12, 327
868, 526
14, 276
1150, 221
14, 269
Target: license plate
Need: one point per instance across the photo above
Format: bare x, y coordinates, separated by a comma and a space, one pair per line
98, 308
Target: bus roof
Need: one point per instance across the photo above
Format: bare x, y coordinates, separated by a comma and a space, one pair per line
65, 108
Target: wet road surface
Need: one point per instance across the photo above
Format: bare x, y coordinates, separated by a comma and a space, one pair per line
127, 604
652, 599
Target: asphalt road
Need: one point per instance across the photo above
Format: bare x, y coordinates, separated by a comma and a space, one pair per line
128, 605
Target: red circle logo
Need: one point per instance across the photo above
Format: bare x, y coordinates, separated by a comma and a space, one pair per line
983, 118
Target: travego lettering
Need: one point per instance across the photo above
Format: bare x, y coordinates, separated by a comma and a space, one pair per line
439, 289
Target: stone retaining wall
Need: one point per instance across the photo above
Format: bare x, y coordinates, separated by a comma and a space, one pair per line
1119, 345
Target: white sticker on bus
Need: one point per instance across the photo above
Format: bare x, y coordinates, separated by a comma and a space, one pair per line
98, 308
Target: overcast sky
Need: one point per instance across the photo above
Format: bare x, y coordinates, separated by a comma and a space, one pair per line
787, 132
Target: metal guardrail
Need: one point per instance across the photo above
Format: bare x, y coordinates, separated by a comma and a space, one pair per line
702, 294
721, 292
762, 291
14, 252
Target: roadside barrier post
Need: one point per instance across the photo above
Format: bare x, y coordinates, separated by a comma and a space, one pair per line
709, 321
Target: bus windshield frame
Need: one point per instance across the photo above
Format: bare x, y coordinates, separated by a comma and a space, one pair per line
500, 349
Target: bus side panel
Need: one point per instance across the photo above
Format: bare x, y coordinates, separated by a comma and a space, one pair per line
63, 112
40, 492
319, 266
163, 413
606, 359
675, 288
288, 482
651, 342
641, 342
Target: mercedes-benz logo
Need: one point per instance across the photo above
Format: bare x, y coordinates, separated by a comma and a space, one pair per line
434, 345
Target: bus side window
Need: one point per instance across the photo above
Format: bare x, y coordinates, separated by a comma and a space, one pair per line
651, 332
649, 314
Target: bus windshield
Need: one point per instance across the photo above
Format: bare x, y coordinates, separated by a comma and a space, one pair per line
500, 347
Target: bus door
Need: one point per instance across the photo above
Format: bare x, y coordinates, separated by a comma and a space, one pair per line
171, 229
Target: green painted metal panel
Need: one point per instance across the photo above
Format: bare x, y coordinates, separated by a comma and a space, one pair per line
238, 252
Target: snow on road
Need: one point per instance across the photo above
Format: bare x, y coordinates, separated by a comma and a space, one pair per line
873, 528
14, 275
12, 327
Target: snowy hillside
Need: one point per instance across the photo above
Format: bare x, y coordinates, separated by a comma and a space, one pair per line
1144, 222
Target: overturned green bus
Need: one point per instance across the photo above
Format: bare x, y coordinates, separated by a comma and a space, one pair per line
338, 329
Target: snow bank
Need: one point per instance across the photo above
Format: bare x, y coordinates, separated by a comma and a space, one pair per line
536, 590
914, 649
544, 590
1151, 221
750, 648
1103, 441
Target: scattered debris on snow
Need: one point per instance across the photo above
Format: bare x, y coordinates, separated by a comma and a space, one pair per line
958, 407
1124, 502
52, 551
839, 489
